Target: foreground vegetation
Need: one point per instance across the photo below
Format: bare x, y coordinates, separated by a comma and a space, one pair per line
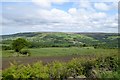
102, 67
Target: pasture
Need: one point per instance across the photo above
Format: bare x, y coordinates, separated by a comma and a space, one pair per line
52, 54
64, 51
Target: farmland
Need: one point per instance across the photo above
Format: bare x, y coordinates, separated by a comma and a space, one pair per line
72, 53
65, 52
51, 54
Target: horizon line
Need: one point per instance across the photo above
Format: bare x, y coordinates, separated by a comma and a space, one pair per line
56, 32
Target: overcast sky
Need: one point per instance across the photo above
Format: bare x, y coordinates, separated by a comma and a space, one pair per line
59, 16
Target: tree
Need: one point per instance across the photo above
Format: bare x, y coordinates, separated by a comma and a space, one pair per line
84, 45
4, 47
19, 44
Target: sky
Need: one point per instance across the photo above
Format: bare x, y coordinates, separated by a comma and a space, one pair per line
59, 16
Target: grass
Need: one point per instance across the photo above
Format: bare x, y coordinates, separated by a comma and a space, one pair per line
65, 51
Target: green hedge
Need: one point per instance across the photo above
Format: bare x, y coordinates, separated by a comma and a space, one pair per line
76, 68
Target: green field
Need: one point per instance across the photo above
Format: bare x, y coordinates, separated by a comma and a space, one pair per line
65, 51
51, 64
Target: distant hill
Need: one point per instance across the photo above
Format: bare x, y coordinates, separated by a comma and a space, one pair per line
59, 39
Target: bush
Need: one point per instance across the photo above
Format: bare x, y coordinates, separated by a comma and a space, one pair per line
25, 52
109, 63
6, 48
76, 68
57, 70
110, 74
19, 44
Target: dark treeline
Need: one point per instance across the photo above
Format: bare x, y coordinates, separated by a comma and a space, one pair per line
52, 44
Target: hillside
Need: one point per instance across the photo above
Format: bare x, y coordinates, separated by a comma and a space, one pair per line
59, 39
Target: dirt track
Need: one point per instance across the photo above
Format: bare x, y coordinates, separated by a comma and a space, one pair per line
29, 60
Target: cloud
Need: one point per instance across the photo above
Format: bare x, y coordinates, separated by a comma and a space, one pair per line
45, 4
59, 1
54, 15
102, 6
84, 4
78, 18
72, 10
99, 15
115, 5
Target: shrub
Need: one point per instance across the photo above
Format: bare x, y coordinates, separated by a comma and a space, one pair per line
19, 44
109, 63
74, 68
39, 71
25, 52
110, 74
6, 48
59, 70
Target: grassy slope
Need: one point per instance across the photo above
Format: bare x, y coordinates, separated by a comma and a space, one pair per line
62, 38
68, 36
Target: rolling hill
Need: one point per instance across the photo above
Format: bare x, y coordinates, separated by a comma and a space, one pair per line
59, 39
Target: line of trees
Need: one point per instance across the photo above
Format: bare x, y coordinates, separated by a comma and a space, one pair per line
20, 43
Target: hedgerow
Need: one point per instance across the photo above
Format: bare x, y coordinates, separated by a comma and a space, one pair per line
105, 67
